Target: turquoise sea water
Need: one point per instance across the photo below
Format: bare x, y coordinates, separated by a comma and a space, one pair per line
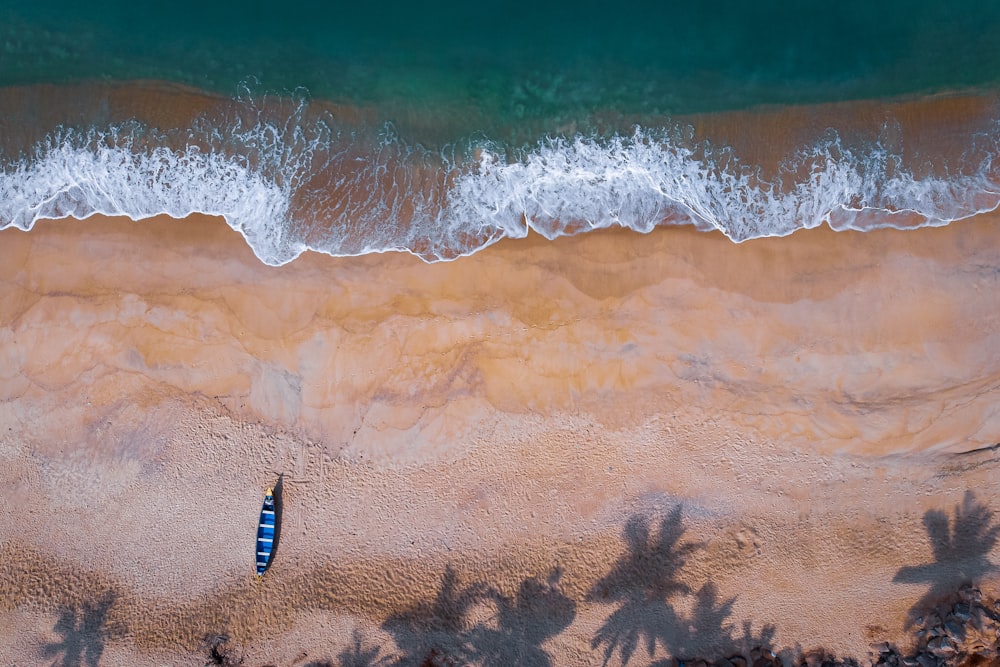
504, 104
519, 58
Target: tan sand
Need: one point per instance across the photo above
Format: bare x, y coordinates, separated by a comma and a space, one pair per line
807, 402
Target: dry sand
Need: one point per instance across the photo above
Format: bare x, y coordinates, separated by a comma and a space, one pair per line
803, 409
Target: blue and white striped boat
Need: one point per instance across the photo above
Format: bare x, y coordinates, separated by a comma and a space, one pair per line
265, 533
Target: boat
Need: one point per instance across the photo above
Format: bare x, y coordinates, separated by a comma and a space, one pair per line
265, 533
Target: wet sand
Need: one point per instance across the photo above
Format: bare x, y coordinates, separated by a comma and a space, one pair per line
536, 420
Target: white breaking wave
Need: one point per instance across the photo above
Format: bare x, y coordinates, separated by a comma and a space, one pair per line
82, 174
289, 188
641, 181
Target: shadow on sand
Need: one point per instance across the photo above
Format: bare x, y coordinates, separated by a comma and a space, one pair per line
356, 655
961, 553
537, 612
435, 633
645, 584
439, 633
83, 632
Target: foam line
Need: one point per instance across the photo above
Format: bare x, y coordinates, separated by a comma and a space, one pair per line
290, 187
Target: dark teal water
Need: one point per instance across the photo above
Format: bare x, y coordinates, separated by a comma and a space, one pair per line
518, 59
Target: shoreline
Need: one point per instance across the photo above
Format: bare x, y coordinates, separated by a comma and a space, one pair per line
293, 174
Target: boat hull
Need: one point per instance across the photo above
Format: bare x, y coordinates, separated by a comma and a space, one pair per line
265, 533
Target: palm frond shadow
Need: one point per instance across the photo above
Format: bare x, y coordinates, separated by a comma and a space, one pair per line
440, 633
961, 553
645, 584
707, 630
643, 581
83, 631
356, 655
434, 634
538, 611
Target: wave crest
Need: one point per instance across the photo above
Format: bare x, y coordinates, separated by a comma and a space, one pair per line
293, 184
640, 182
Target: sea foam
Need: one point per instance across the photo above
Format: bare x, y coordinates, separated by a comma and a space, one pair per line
300, 185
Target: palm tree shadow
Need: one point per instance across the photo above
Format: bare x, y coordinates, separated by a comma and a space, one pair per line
707, 630
537, 612
435, 634
961, 553
359, 656
83, 632
707, 625
356, 655
643, 581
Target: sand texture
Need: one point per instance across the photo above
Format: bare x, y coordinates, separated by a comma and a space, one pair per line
560, 453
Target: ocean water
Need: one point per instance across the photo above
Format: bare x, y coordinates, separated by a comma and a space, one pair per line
350, 129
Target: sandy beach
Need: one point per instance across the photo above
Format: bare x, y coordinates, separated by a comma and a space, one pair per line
555, 445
